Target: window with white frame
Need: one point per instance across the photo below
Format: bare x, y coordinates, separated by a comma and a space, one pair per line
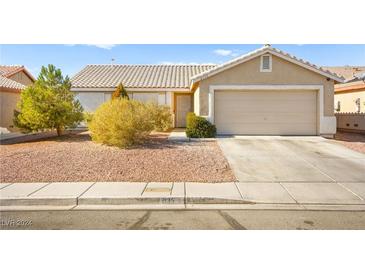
266, 63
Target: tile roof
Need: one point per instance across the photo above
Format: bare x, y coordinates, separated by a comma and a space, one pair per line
347, 72
137, 76
8, 71
274, 51
10, 84
354, 86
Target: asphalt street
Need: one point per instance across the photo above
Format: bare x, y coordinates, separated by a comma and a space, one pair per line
183, 219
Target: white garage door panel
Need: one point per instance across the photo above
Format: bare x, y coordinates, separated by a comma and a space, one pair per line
267, 118
272, 105
270, 129
266, 112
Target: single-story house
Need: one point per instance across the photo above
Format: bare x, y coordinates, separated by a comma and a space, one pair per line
264, 92
350, 96
13, 79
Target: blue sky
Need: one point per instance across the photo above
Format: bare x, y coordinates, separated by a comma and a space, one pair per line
72, 58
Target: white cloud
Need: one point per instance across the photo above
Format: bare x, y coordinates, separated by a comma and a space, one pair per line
226, 52
223, 52
103, 46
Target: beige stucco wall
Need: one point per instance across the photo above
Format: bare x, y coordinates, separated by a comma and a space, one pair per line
197, 101
283, 72
22, 78
347, 101
8, 101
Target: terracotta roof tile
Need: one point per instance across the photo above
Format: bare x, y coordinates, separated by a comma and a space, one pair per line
10, 84
9, 70
347, 72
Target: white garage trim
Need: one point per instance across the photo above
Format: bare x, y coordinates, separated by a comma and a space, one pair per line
327, 124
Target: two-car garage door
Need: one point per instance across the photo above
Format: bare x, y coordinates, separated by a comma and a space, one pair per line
266, 112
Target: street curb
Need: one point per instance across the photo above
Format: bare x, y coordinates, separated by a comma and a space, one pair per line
52, 201
129, 201
30, 201
160, 203
275, 207
212, 200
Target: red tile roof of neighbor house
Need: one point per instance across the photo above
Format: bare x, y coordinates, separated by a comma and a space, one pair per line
347, 72
9, 83
354, 78
7, 71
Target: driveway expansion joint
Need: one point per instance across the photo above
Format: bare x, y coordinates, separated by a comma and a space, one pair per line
239, 191
349, 190
288, 192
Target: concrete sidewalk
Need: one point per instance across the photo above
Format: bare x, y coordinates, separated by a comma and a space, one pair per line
126, 195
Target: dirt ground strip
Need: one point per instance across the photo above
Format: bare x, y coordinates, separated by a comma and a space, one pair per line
353, 141
75, 158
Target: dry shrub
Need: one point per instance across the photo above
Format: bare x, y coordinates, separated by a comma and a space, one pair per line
121, 123
160, 116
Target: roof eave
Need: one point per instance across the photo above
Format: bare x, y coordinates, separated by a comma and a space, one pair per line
12, 90
131, 89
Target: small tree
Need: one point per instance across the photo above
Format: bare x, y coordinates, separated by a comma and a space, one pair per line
120, 92
48, 103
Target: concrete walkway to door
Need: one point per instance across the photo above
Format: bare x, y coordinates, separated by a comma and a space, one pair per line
178, 134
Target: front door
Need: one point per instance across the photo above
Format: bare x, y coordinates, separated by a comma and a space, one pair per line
183, 106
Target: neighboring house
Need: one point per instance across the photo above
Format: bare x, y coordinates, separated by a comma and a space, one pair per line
264, 92
13, 79
350, 96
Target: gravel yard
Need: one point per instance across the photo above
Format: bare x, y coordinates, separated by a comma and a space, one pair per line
75, 158
353, 141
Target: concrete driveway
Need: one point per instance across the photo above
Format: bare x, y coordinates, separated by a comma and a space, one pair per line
292, 159
305, 169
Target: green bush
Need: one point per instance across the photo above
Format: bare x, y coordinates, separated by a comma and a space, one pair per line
160, 116
199, 127
121, 122
88, 116
190, 118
